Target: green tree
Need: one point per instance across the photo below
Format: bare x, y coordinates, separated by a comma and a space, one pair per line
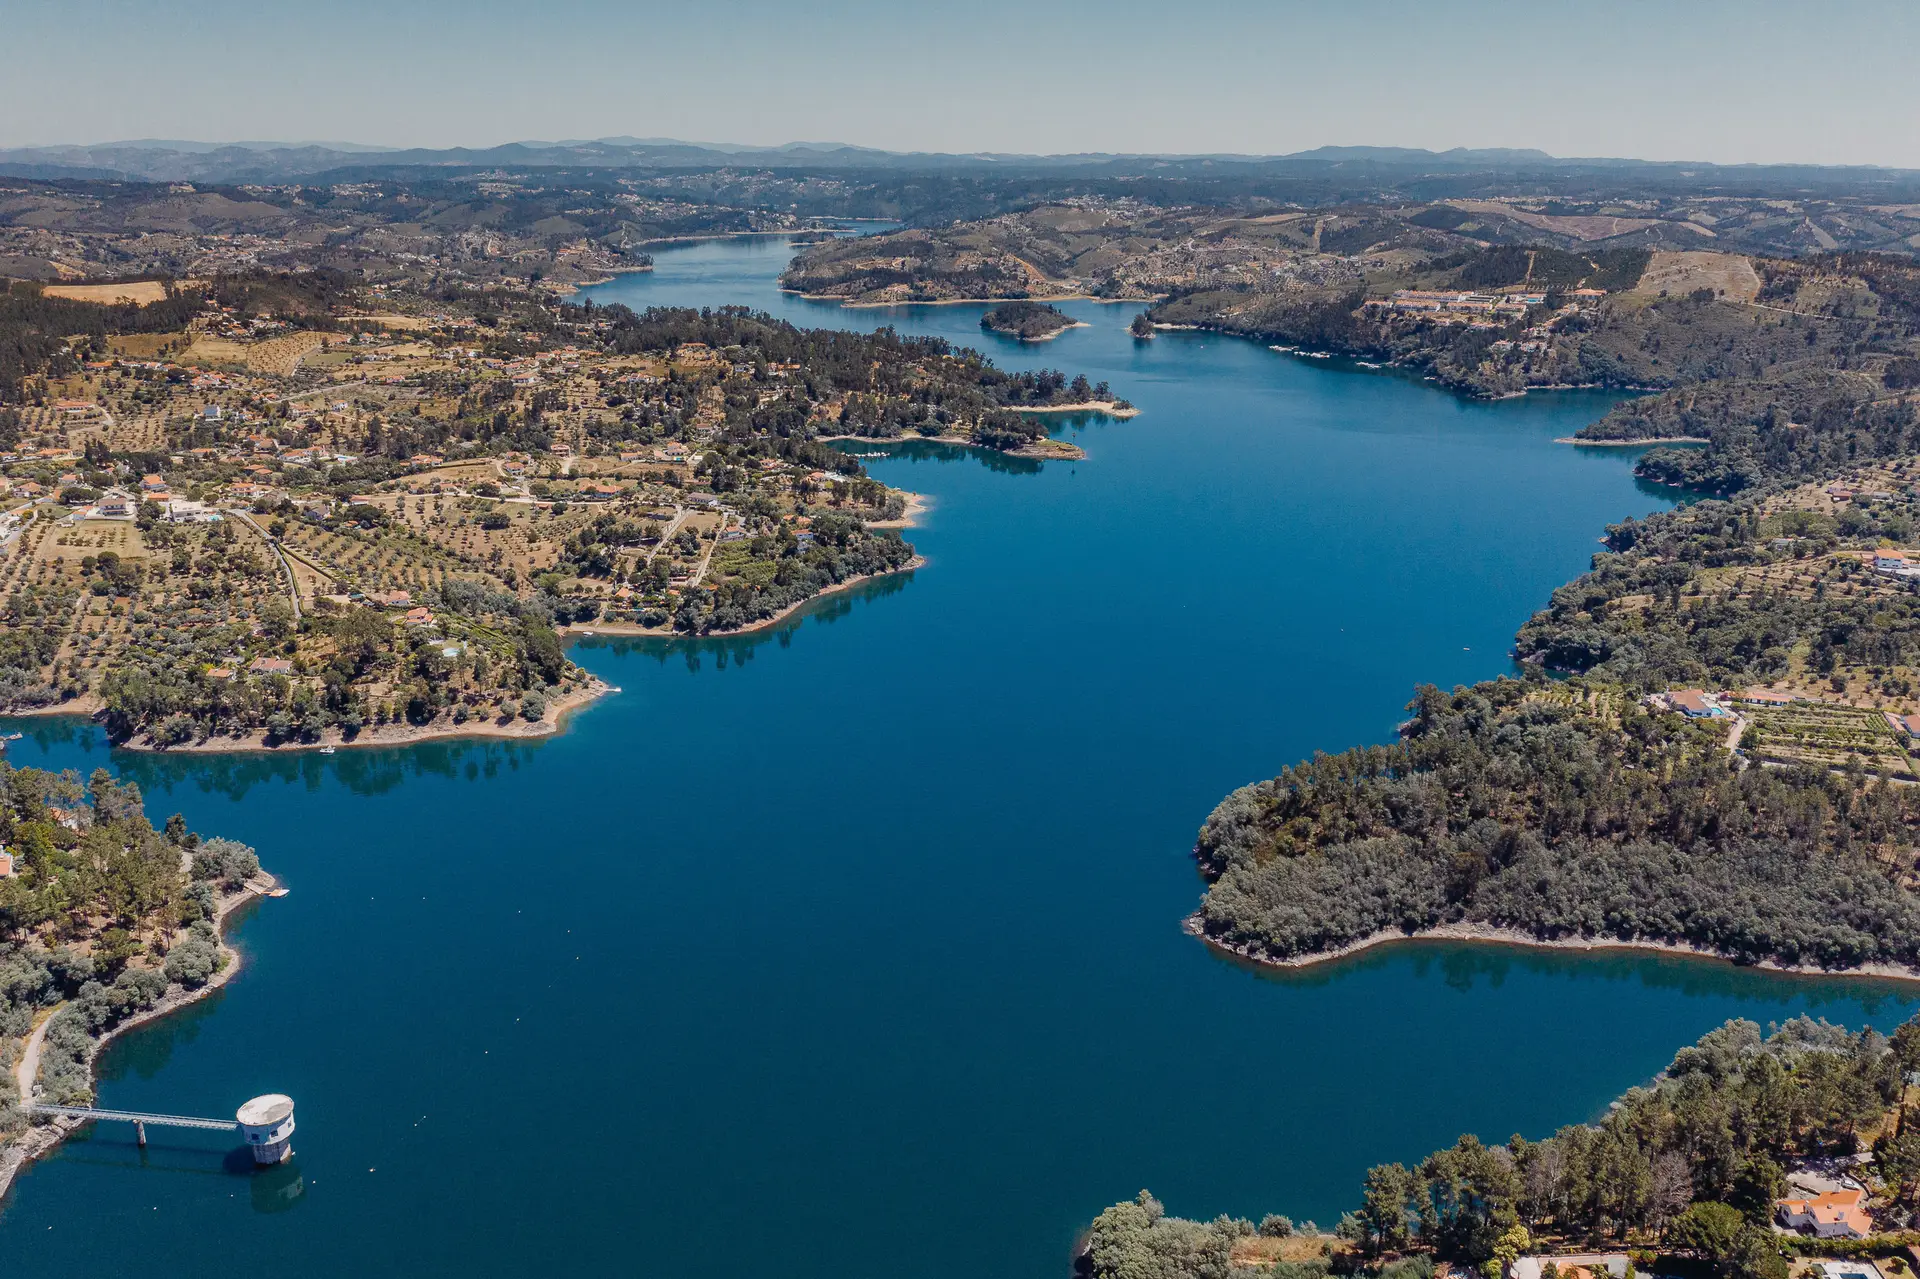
1896, 1156
1468, 1199
112, 951
1906, 1045
1711, 1231
1387, 1213
1759, 1182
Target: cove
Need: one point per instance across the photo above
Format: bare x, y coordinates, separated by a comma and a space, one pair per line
852, 946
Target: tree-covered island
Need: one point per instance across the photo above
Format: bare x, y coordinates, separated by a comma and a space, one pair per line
1028, 321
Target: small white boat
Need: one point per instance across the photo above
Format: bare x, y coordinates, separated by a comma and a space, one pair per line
328, 750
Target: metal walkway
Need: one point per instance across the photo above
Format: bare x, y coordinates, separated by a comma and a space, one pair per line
135, 1117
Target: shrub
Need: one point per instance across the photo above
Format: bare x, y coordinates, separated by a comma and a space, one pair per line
226, 862
193, 962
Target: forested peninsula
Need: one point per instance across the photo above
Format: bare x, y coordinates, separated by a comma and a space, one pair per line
1776, 825
104, 922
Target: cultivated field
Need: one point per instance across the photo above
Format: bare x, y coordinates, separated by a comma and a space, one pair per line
279, 357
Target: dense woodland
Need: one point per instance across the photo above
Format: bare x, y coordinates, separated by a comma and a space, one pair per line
1686, 1169
1773, 413
1571, 809
1516, 805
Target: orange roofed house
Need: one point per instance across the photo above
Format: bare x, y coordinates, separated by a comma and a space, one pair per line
1837, 1214
1693, 703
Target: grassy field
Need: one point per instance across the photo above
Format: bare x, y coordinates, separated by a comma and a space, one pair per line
147, 346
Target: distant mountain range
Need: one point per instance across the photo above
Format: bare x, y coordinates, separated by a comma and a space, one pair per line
171, 160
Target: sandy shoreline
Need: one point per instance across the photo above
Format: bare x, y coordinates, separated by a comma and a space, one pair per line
918, 504
1486, 934
1109, 407
39, 1141
568, 290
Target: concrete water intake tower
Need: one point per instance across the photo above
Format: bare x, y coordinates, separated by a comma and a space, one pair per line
267, 1124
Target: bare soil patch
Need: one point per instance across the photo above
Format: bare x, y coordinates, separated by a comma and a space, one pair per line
138, 292
1729, 275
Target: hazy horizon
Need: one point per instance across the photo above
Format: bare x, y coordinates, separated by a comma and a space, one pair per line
352, 146
1709, 82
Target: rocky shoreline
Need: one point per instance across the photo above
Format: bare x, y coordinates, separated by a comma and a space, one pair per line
627, 630
392, 734
1488, 934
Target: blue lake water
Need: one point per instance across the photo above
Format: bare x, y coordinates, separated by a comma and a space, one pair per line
853, 947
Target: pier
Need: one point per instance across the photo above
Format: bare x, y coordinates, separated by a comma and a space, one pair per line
267, 1123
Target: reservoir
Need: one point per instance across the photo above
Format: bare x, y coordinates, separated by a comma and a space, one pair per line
852, 947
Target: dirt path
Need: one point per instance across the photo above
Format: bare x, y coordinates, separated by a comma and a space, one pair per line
707, 559
28, 1068
1740, 723
293, 580
673, 526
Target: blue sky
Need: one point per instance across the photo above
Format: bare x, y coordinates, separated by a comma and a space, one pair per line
1756, 82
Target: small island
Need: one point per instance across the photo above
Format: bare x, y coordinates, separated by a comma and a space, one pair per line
1028, 321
